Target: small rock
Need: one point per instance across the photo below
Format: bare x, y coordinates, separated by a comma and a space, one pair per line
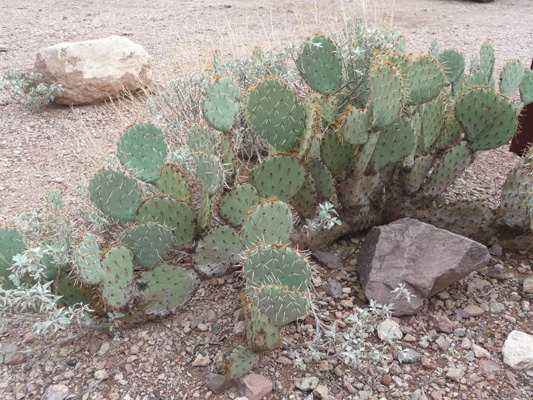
518, 350
459, 332
496, 272
389, 330
201, 361
442, 323
466, 344
203, 327
284, 360
55, 392
476, 285
321, 392
94, 346
211, 316
217, 383
443, 343
496, 250
480, 352
239, 328
496, 308
329, 260
410, 356
307, 384
489, 366
333, 289
409, 338
473, 310
104, 349
528, 285
348, 304
455, 374
101, 374
254, 386
14, 359
323, 366
470, 356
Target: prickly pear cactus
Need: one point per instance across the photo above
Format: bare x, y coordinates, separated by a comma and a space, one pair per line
201, 139
117, 277
148, 242
305, 200
277, 114
386, 95
175, 214
221, 104
87, 263
240, 362
453, 63
210, 172
261, 333
280, 304
115, 193
425, 80
270, 222
324, 183
142, 150
166, 288
356, 126
217, 252
236, 203
526, 87
172, 183
11, 244
511, 77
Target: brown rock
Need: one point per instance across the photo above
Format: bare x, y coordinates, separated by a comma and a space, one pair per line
217, 383
442, 323
473, 310
254, 386
14, 359
425, 259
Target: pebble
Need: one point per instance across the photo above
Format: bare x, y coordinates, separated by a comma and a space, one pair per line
480, 352
201, 361
466, 344
528, 285
254, 386
443, 343
455, 374
389, 330
442, 323
496, 308
473, 310
307, 384
203, 327
101, 374
56, 392
217, 383
104, 349
321, 392
333, 289
489, 366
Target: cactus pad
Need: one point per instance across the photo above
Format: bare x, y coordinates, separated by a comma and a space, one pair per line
200, 139
11, 244
486, 59
270, 222
280, 304
394, 143
432, 115
515, 205
489, 120
71, 291
261, 333
336, 153
172, 183
386, 94
148, 243
453, 63
166, 288
275, 264
355, 126
236, 203
413, 179
240, 362
210, 171
277, 114
526, 87
510, 77
452, 164
217, 252
305, 200
117, 276
221, 104
425, 80
142, 150
87, 260
280, 176
324, 183
328, 109
320, 64
115, 193
177, 215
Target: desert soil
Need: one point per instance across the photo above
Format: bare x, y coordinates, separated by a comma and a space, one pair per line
62, 146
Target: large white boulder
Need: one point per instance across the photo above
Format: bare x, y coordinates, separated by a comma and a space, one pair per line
518, 350
94, 70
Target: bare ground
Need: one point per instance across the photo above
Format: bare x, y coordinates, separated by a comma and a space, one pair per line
61, 146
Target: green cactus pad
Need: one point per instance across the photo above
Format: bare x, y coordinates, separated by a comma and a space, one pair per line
210, 171
387, 95
277, 114
394, 143
336, 153
305, 200
71, 292
425, 80
526, 87
453, 63
280, 304
221, 104
514, 206
117, 276
413, 178
148, 242
276, 264
363, 154
200, 139
452, 131
177, 215
431, 115
240, 362
486, 59
489, 120
217, 252
142, 150
309, 142
270, 222
510, 77
261, 333
434, 49
166, 288
320, 64
11, 244
355, 126
280, 176
87, 263
236, 203
452, 164
172, 183
328, 109
324, 183
115, 193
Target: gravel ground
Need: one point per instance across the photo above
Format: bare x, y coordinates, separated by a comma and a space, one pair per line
61, 146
